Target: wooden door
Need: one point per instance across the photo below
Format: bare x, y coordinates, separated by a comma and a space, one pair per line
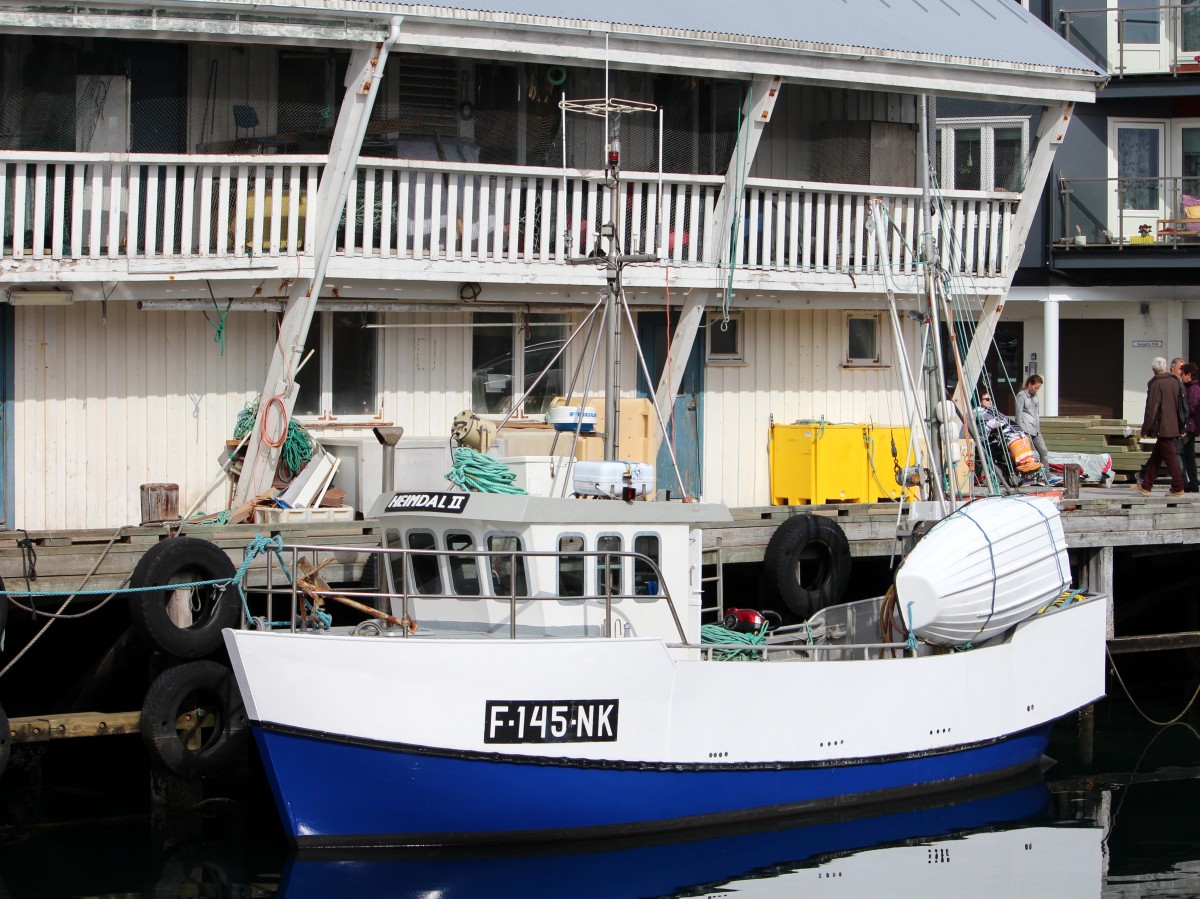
1086, 388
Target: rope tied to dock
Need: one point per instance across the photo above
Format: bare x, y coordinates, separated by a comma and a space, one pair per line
256, 547
740, 646
477, 473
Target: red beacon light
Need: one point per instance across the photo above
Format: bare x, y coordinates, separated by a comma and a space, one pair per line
614, 153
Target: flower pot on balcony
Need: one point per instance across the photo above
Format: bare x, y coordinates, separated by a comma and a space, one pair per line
1141, 239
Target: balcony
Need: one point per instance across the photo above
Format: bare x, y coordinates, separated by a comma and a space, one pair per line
145, 217
1122, 223
1141, 40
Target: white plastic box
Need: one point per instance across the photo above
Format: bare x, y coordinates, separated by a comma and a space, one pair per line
273, 515
610, 478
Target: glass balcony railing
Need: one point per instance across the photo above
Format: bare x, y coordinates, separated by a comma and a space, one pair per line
1125, 212
1137, 39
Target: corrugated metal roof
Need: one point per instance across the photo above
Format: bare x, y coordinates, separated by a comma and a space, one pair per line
998, 31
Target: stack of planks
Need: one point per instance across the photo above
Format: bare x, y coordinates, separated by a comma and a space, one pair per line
1092, 434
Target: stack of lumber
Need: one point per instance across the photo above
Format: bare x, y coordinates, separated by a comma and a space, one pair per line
1092, 434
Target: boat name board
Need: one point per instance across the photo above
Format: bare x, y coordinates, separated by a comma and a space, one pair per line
551, 721
430, 502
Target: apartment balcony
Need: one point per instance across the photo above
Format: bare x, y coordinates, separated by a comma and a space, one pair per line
1137, 40
1148, 226
146, 218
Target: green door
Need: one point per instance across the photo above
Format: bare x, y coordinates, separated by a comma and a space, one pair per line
685, 422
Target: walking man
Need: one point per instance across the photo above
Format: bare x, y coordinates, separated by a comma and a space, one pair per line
1029, 419
1161, 421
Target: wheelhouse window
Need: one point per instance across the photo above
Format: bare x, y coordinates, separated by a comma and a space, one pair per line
427, 575
464, 569
570, 566
862, 339
724, 346
508, 571
608, 568
509, 353
645, 577
339, 378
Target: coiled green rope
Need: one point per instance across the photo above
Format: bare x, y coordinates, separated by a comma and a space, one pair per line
478, 473
297, 446
716, 635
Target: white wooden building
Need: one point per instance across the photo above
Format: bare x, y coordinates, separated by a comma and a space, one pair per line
172, 180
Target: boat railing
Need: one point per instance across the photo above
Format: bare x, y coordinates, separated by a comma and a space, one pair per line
305, 586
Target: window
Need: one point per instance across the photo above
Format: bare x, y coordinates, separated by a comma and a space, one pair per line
427, 577
608, 568
339, 379
645, 577
506, 581
508, 354
982, 154
862, 339
724, 340
1139, 165
570, 567
464, 570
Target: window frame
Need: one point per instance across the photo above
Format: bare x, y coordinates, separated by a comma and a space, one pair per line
519, 326
987, 127
738, 356
879, 361
323, 320
521, 579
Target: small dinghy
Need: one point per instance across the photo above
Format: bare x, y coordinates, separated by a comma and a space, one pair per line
983, 568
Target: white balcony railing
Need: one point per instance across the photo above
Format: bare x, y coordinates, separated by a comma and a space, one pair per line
80, 207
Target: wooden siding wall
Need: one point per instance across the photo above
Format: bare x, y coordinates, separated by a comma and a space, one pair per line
101, 409
794, 371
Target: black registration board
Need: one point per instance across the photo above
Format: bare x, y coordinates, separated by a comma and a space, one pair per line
551, 721
453, 503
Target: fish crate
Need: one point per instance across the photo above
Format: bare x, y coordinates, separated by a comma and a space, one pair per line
275, 515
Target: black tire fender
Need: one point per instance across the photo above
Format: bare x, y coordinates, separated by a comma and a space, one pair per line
5, 742
182, 560
807, 563
193, 720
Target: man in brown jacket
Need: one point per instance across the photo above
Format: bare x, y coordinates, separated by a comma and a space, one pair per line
1161, 421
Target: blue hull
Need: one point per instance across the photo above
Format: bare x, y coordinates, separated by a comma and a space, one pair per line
337, 793
691, 864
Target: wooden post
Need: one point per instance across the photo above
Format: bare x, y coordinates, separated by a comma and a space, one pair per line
1072, 475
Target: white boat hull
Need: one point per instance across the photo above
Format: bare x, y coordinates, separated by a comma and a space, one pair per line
409, 740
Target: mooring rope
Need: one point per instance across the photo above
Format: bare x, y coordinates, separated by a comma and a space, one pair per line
257, 546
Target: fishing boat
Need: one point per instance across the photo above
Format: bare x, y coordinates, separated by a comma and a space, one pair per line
543, 672
537, 667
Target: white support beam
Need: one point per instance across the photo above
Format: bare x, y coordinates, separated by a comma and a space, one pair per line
1051, 131
756, 113
279, 393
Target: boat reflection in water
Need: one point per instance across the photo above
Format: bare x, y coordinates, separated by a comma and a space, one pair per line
1002, 842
